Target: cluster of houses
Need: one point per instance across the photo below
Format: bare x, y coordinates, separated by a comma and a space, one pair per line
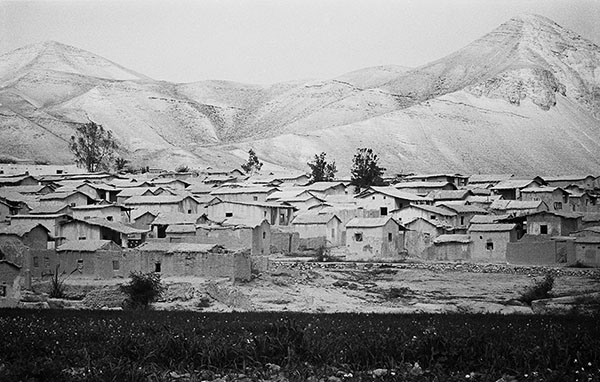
174, 218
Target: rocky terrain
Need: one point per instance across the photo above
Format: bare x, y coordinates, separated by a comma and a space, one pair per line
524, 99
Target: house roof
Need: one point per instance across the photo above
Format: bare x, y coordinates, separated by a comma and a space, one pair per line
313, 218
175, 218
49, 208
449, 194
591, 217
20, 228
90, 207
10, 263
464, 208
432, 209
157, 199
136, 214
487, 219
181, 228
243, 190
538, 190
86, 245
567, 178
14, 179
369, 222
242, 222
501, 204
489, 178
513, 184
452, 238
395, 193
402, 185
491, 227
167, 247
428, 176
113, 225
256, 204
26, 189
63, 195
588, 240
323, 186
565, 215
166, 181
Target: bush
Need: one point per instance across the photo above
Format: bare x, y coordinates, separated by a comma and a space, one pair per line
57, 286
540, 290
143, 289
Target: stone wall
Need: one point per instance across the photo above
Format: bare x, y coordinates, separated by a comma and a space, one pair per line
540, 251
284, 242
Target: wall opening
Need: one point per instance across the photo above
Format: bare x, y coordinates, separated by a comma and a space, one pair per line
543, 229
489, 246
157, 267
358, 236
383, 211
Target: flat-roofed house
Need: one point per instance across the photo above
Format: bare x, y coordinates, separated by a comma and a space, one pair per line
317, 229
511, 189
555, 198
450, 247
383, 200
489, 241
277, 214
164, 203
374, 238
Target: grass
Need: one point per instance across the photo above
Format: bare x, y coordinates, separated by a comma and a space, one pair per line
151, 345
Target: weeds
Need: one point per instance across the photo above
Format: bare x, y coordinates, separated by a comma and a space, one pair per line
540, 290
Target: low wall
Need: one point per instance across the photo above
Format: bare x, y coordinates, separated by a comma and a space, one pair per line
540, 252
311, 242
284, 242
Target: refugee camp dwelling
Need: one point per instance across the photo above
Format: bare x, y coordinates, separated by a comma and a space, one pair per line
383, 200
165, 203
554, 223
489, 241
237, 233
101, 229
166, 220
244, 194
71, 198
511, 189
555, 198
98, 258
432, 213
374, 238
277, 214
517, 207
316, 229
424, 188
464, 213
456, 179
10, 282
451, 247
420, 234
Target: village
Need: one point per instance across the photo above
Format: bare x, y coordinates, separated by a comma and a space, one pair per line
224, 223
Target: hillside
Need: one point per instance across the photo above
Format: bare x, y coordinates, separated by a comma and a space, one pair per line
525, 99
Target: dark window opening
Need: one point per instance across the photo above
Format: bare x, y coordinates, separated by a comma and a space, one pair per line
46, 262
228, 214
489, 246
161, 231
157, 267
462, 220
116, 265
109, 218
358, 236
390, 236
433, 217
80, 264
36, 262
255, 198
2, 290
557, 205
264, 235
383, 211
190, 212
543, 229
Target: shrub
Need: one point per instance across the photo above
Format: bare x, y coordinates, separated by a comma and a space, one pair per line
323, 254
540, 290
182, 168
143, 289
57, 286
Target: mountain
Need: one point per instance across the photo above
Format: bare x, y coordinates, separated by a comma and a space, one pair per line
525, 99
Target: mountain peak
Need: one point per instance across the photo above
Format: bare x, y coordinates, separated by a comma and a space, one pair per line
531, 18
58, 57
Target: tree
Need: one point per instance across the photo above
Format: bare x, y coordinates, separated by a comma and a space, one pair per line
93, 147
121, 164
253, 163
365, 171
143, 289
321, 171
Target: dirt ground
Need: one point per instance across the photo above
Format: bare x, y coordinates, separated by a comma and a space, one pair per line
301, 286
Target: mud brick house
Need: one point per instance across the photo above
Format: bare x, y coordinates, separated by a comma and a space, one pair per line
432, 213
518, 207
277, 214
324, 189
126, 193
511, 189
91, 258
174, 184
488, 180
489, 241
317, 229
101, 229
244, 194
236, 233
10, 283
383, 200
456, 179
554, 223
193, 259
555, 198
38, 189
582, 201
50, 221
164, 203
180, 232
16, 239
464, 213
452, 247
541, 250
374, 238
71, 198
420, 234
424, 188
164, 221
587, 182
587, 250
18, 180
51, 209
449, 196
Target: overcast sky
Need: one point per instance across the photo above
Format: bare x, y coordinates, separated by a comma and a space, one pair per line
267, 41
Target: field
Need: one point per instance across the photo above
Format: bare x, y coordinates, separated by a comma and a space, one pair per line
71, 345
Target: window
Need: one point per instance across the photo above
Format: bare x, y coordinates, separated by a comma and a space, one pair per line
264, 235
557, 205
255, 198
281, 219
72, 204
433, 217
109, 218
82, 238
36, 261
190, 212
383, 211
390, 236
157, 267
543, 229
116, 265
80, 265
46, 262
332, 233
228, 214
489, 245
265, 213
59, 171
462, 220
2, 290
358, 236
383, 197
372, 197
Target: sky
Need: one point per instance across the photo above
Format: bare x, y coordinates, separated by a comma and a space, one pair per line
268, 41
